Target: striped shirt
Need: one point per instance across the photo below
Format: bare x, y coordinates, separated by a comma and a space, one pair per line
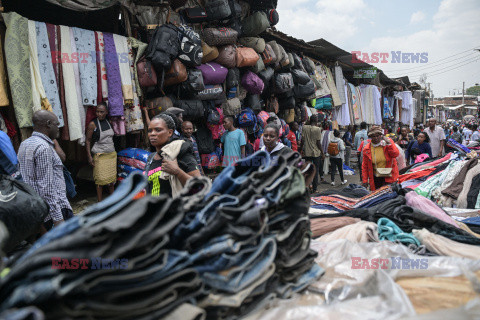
42, 169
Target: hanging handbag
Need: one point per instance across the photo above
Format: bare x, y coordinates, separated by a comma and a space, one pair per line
175, 4
194, 82
382, 172
195, 15
220, 36
255, 24
232, 107
147, 77
218, 9
177, 74
246, 57
227, 56
259, 66
209, 53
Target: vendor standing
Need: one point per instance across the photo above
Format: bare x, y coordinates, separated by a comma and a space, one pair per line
101, 151
380, 153
173, 163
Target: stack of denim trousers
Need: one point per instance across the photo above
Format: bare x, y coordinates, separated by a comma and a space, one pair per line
228, 248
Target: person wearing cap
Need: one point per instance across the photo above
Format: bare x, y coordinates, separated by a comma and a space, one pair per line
437, 138
381, 152
176, 114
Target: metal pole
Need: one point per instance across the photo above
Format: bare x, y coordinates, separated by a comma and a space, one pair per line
463, 93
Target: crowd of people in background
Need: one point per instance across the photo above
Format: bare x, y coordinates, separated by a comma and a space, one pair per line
381, 152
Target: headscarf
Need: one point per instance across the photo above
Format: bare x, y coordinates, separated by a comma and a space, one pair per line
375, 130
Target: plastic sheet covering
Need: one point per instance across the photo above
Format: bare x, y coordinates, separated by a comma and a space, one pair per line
364, 293
467, 312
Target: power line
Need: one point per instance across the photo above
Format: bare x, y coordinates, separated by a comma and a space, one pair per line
436, 74
438, 61
427, 67
444, 68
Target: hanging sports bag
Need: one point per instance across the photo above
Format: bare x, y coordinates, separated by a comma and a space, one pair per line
211, 92
247, 118
259, 66
257, 44
232, 107
272, 16
272, 104
300, 77
246, 57
283, 82
195, 15
266, 75
164, 47
209, 53
175, 4
213, 73
303, 91
255, 24
254, 102
192, 109
217, 9
268, 55
194, 81
262, 4
252, 83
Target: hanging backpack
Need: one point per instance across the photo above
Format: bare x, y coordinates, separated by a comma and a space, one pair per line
266, 75
268, 55
258, 67
304, 91
176, 74
272, 104
256, 5
195, 14
211, 113
233, 78
246, 57
232, 107
262, 117
247, 118
211, 92
333, 149
300, 77
164, 47
191, 52
175, 4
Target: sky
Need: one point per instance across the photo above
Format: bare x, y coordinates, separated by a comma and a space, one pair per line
447, 30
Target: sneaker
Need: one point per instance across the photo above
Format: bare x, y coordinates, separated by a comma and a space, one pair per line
333, 184
344, 182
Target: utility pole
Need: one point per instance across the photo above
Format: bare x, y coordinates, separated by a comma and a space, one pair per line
463, 93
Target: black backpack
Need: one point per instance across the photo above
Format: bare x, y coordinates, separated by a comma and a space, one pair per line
194, 81
233, 78
283, 82
303, 91
204, 139
164, 47
300, 77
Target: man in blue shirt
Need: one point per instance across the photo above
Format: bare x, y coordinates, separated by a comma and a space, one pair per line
233, 141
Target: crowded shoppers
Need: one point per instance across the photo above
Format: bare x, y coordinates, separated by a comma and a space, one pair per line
336, 154
101, 151
312, 148
42, 168
233, 141
420, 146
456, 135
437, 138
172, 164
379, 165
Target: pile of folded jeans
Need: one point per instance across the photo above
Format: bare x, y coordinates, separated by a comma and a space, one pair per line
228, 248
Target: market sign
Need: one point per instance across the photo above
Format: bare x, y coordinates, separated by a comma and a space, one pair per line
365, 73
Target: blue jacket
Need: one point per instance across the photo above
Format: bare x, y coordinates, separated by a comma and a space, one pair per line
424, 148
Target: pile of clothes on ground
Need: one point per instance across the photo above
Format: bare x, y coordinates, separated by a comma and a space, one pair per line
450, 181
131, 160
221, 250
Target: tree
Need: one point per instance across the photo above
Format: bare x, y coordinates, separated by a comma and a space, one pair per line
474, 91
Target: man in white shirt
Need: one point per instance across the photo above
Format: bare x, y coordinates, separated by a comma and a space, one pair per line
437, 137
467, 134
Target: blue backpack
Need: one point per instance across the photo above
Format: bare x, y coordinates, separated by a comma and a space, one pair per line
247, 118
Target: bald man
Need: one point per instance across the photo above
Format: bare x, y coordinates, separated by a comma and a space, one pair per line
437, 137
42, 168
